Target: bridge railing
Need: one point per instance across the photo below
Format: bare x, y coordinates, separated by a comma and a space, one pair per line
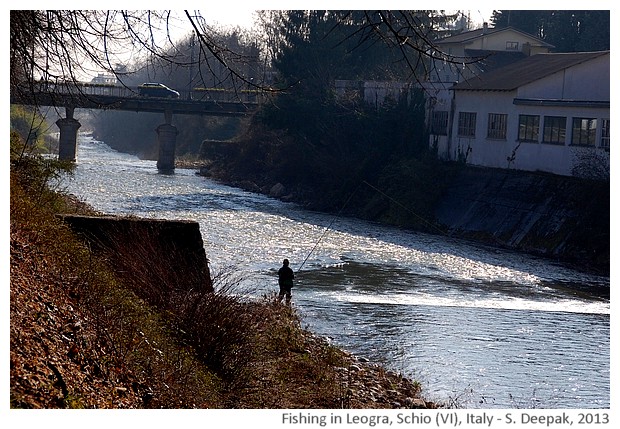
227, 95
65, 90
108, 89
81, 88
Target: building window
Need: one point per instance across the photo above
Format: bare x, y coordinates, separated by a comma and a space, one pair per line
605, 133
439, 125
467, 124
497, 126
584, 131
528, 128
554, 130
512, 46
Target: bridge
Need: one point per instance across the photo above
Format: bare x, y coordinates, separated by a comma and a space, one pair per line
72, 95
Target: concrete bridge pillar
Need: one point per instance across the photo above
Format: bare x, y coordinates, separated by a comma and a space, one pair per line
67, 144
167, 139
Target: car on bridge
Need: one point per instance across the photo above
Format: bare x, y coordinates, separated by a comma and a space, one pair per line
159, 90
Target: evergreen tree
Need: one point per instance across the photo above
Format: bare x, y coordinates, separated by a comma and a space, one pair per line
566, 30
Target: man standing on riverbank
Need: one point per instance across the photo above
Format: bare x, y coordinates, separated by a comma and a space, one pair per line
285, 280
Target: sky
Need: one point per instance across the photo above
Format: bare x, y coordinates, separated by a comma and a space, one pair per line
235, 15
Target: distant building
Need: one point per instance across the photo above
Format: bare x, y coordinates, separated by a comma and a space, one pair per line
107, 79
513, 105
479, 51
483, 50
546, 112
374, 93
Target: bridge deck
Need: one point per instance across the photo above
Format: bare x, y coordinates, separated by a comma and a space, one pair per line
199, 102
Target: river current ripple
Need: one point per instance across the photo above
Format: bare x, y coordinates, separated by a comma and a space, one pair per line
482, 327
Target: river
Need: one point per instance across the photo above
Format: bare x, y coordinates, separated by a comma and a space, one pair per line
477, 326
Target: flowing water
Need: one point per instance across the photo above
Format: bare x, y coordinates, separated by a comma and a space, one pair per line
482, 327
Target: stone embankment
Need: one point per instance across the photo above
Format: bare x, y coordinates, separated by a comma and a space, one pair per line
368, 383
557, 217
365, 384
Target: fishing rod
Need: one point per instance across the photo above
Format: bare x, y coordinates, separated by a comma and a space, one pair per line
432, 225
328, 228
345, 204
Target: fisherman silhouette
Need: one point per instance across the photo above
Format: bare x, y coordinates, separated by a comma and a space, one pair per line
285, 281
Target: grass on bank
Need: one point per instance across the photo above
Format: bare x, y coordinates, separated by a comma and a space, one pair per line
84, 335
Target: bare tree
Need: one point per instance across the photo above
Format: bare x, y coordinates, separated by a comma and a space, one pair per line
412, 34
70, 45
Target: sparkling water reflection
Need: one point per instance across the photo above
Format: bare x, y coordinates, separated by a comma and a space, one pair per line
486, 328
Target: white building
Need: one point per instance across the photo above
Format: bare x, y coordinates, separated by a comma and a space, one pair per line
104, 79
546, 112
482, 50
374, 93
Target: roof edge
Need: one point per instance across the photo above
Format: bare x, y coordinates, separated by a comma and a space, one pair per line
492, 31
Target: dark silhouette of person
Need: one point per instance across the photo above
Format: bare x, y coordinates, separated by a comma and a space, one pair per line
285, 281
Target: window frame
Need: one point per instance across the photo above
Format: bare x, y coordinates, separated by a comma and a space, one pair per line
554, 130
467, 124
439, 123
529, 128
497, 126
605, 125
512, 46
584, 136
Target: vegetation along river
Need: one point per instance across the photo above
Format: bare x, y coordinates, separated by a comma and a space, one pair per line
483, 327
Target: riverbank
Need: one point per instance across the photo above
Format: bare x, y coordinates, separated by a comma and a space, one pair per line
563, 219
83, 336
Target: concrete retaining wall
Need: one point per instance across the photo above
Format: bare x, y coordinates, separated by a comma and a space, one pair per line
166, 255
554, 216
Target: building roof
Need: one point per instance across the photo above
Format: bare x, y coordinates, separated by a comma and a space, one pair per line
530, 69
491, 60
468, 36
